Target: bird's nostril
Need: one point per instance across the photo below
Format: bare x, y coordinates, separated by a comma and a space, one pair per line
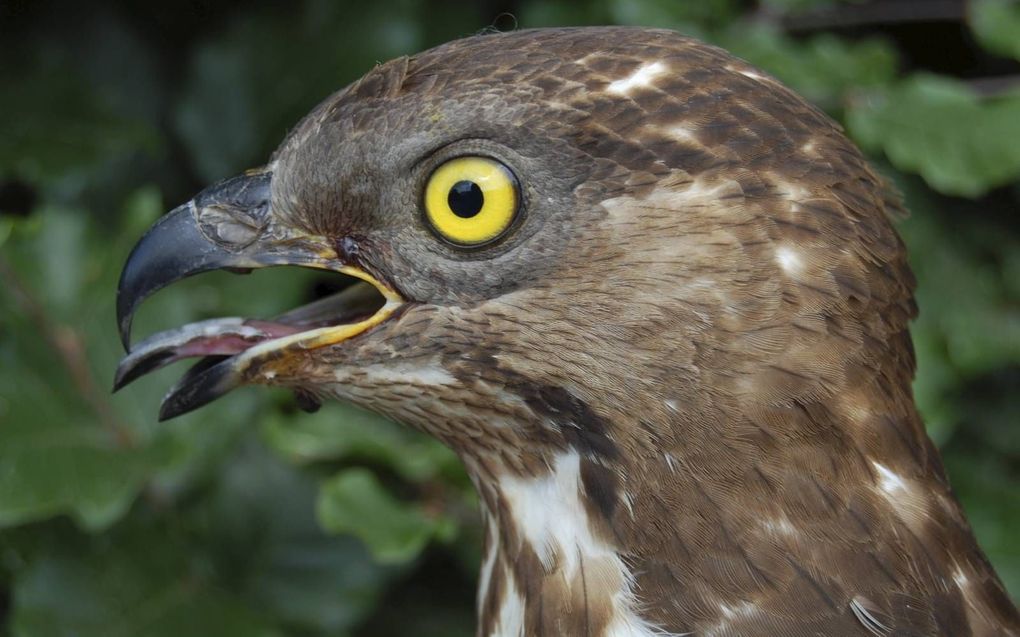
347, 249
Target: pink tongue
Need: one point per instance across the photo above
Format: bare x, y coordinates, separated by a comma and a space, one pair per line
227, 344
213, 337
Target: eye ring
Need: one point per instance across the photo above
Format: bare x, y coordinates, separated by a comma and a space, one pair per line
471, 201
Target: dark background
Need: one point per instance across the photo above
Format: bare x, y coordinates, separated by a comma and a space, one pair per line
250, 518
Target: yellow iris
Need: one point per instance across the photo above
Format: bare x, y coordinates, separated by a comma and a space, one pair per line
471, 200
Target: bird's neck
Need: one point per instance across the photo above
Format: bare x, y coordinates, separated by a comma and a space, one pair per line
551, 565
668, 542
661, 510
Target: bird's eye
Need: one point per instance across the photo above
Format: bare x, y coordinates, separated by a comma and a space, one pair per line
471, 200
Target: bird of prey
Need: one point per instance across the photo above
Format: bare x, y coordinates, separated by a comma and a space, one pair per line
652, 299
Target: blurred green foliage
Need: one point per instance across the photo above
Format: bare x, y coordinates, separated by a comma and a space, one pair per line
249, 519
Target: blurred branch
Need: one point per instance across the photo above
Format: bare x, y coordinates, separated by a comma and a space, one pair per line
67, 343
994, 86
858, 15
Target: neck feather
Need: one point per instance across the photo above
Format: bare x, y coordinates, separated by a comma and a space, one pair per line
551, 564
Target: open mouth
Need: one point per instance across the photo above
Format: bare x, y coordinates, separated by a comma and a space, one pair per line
339, 316
229, 226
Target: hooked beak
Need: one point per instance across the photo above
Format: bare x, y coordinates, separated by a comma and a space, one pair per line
231, 226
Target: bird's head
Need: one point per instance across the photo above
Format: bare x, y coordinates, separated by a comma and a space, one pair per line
651, 297
596, 240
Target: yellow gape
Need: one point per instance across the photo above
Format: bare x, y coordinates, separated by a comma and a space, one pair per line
471, 200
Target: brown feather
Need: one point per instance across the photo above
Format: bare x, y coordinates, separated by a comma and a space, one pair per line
708, 303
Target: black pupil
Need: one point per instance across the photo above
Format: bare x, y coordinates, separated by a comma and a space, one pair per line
465, 199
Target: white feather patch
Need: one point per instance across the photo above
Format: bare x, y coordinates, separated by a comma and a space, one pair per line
789, 260
510, 620
550, 515
643, 76
891, 483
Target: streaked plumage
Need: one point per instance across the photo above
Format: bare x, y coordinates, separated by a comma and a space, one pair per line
681, 380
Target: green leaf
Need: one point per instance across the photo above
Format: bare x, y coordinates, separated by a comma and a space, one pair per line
342, 431
245, 557
396, 531
969, 324
66, 445
797, 6
354, 502
548, 13
938, 128
57, 131
996, 24
145, 584
81, 470
6, 228
687, 17
245, 87
62, 447
259, 524
823, 68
